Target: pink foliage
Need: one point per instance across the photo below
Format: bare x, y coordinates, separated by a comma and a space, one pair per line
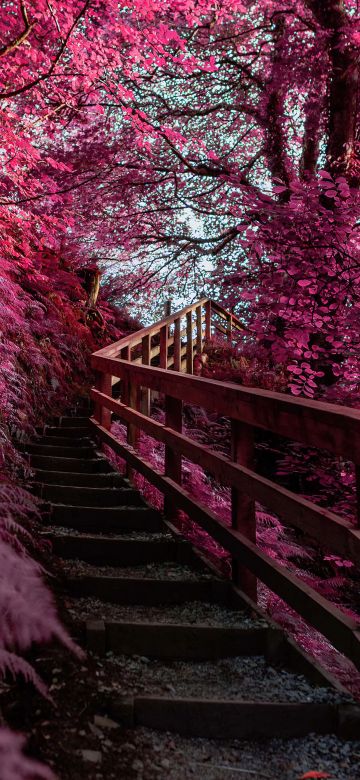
14, 765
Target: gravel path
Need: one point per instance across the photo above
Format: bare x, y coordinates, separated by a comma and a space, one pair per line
158, 571
138, 536
192, 612
148, 755
244, 678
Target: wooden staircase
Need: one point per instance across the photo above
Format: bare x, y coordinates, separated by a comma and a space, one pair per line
132, 557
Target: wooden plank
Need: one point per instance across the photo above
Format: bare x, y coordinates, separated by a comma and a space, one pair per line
199, 335
318, 424
114, 349
103, 383
224, 313
183, 641
145, 391
341, 537
217, 719
208, 321
164, 336
189, 343
173, 420
110, 551
177, 344
146, 591
343, 632
242, 505
118, 519
229, 328
357, 476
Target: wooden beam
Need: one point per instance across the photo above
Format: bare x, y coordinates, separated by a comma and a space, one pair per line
318, 424
242, 505
208, 321
103, 383
177, 344
199, 335
164, 336
327, 528
189, 344
145, 391
135, 338
173, 420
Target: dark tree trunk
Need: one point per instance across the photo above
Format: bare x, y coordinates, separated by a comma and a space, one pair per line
343, 88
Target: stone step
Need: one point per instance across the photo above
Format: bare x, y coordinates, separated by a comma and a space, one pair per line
56, 451
115, 551
117, 519
78, 479
85, 466
176, 641
146, 591
88, 496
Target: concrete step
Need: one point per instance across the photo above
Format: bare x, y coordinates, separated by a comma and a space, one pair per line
146, 591
85, 466
117, 519
115, 551
58, 451
73, 478
88, 496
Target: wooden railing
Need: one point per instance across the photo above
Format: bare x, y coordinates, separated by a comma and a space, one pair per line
325, 426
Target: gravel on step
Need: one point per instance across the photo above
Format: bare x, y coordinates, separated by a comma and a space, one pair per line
194, 612
150, 755
155, 571
136, 536
243, 678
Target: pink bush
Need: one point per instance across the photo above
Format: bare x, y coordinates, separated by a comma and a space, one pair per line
14, 765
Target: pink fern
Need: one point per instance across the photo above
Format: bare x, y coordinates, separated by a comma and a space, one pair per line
14, 765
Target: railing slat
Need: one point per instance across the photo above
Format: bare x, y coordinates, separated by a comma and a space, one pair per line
177, 344
208, 321
164, 335
199, 335
189, 344
146, 358
173, 420
242, 505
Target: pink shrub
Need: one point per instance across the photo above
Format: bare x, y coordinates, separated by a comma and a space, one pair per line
14, 765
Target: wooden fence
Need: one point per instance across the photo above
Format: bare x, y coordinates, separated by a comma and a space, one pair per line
160, 359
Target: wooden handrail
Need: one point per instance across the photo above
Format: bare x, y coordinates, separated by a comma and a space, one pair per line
317, 424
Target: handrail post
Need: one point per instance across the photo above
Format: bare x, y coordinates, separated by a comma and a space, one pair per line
146, 357
242, 506
229, 328
177, 345
189, 344
208, 321
103, 383
173, 420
